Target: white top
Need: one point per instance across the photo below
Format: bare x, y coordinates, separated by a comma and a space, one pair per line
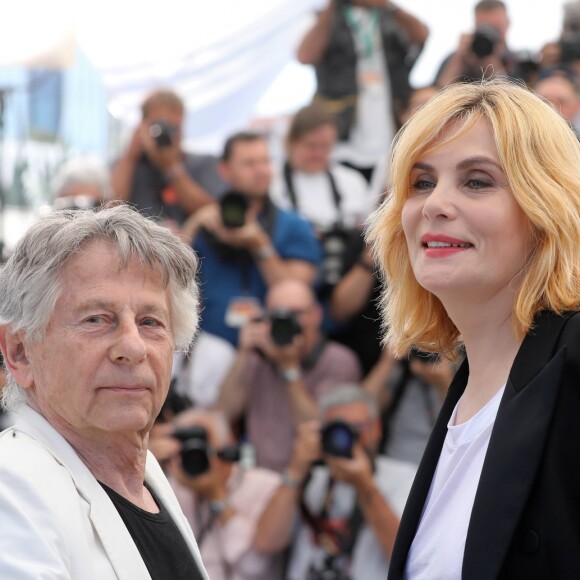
315, 199
200, 375
437, 550
374, 127
369, 562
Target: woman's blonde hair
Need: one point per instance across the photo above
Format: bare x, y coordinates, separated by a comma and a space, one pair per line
540, 156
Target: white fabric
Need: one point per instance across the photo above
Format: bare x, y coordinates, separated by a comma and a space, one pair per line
315, 200
369, 562
437, 550
56, 521
200, 376
374, 128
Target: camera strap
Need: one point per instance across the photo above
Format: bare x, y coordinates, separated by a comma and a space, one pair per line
336, 537
291, 190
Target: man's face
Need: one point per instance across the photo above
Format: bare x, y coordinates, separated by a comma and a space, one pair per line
104, 365
496, 18
561, 95
249, 168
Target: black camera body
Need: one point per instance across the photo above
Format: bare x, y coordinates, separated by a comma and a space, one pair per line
195, 450
162, 133
338, 438
284, 326
485, 39
233, 207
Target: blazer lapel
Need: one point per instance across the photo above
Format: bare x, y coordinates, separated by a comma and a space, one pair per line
422, 483
515, 448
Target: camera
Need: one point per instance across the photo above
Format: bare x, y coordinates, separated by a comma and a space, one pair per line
485, 39
195, 450
284, 326
233, 208
338, 438
162, 133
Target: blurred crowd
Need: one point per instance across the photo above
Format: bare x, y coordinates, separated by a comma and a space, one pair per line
290, 434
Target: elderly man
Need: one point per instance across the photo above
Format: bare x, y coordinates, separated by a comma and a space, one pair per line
92, 305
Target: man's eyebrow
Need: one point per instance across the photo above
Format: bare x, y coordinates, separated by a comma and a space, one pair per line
109, 305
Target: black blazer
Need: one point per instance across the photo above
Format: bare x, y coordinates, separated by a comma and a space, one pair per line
525, 522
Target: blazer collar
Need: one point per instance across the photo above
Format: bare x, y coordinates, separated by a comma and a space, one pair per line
528, 402
112, 532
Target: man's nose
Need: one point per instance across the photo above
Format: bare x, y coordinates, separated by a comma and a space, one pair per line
128, 345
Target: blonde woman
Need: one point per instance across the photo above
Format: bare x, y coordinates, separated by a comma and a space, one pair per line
479, 241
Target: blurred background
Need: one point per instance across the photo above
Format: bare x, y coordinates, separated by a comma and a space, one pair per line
73, 73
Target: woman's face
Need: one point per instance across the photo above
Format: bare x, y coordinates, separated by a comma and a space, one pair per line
467, 237
311, 153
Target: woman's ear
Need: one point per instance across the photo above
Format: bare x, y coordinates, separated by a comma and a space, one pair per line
15, 357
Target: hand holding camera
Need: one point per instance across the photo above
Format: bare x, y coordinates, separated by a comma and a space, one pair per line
160, 142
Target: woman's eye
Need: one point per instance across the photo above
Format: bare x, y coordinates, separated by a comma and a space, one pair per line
150, 322
478, 183
422, 185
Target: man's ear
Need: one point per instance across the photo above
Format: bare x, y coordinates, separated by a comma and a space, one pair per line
15, 357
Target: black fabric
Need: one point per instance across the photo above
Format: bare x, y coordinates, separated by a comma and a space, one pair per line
158, 540
362, 334
525, 521
149, 182
336, 71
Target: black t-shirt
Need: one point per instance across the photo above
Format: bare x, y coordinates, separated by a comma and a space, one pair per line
158, 540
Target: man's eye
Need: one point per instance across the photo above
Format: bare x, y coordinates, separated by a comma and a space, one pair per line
95, 319
150, 322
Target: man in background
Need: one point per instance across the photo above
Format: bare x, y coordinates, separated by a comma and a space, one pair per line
156, 174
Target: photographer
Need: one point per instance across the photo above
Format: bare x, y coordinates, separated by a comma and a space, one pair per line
564, 53
363, 52
333, 198
155, 174
350, 506
246, 243
221, 500
283, 366
482, 52
409, 394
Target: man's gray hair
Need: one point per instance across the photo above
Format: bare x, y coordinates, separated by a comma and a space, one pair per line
30, 279
348, 394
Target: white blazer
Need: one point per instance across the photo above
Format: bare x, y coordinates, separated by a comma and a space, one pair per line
56, 521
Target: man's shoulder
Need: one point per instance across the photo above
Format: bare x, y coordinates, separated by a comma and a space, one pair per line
27, 464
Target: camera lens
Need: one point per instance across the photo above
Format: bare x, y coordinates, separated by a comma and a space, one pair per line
162, 133
284, 326
233, 208
484, 41
338, 438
